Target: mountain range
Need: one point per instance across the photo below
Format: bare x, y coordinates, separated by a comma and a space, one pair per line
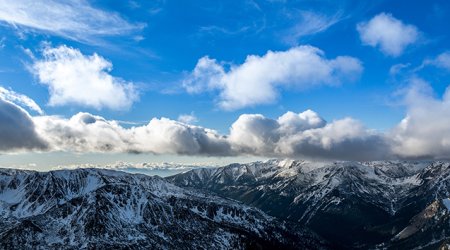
275, 204
105, 209
383, 205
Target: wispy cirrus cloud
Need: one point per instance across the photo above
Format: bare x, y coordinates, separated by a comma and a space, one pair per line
310, 23
441, 61
12, 96
73, 19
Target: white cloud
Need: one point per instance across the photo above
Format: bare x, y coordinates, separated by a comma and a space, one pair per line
168, 136
88, 133
73, 19
292, 123
188, 118
17, 129
81, 133
441, 61
206, 75
74, 78
389, 34
292, 135
254, 134
310, 23
259, 78
10, 95
425, 131
306, 135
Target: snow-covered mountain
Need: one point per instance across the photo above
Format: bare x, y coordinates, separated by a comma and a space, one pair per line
101, 209
352, 204
161, 169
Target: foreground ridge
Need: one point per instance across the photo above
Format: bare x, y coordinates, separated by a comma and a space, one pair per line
93, 208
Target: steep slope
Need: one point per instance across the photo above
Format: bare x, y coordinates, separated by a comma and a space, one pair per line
429, 229
354, 204
91, 208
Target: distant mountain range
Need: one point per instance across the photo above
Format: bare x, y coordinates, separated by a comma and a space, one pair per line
105, 209
277, 204
393, 205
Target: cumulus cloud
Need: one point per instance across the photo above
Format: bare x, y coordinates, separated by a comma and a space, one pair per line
303, 134
387, 33
168, 136
425, 131
10, 95
259, 78
74, 78
89, 133
17, 130
73, 19
345, 139
188, 118
306, 135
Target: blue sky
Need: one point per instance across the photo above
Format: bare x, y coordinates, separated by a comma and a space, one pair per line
206, 63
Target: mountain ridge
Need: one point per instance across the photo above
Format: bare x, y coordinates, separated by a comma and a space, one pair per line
352, 204
92, 208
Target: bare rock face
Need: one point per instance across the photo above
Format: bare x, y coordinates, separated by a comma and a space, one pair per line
101, 209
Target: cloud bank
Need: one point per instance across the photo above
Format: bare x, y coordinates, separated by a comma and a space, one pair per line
421, 134
425, 131
84, 132
73, 19
291, 135
74, 78
306, 135
17, 132
259, 79
387, 33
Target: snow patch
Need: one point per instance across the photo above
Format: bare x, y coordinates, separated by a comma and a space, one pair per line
446, 203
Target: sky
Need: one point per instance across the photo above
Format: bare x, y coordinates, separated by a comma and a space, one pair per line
215, 82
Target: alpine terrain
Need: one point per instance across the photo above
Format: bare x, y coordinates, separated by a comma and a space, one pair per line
383, 205
104, 209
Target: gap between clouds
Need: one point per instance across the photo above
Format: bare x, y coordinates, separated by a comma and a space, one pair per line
421, 134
